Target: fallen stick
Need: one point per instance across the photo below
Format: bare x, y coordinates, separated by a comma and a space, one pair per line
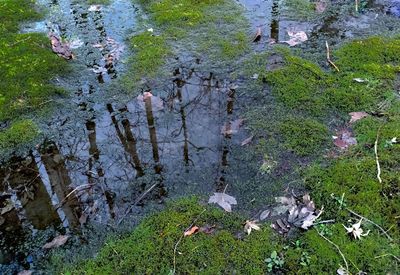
338, 249
328, 57
378, 166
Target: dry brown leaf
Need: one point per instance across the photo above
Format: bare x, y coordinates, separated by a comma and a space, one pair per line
156, 103
56, 242
223, 200
191, 231
357, 116
60, 48
344, 139
250, 225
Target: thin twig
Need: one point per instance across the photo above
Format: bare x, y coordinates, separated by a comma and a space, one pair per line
388, 254
356, 5
378, 166
326, 221
183, 234
79, 188
328, 57
368, 220
338, 249
137, 201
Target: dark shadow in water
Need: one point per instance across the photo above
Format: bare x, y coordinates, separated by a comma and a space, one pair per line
275, 21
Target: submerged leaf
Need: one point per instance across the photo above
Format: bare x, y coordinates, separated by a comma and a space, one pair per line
357, 116
265, 214
56, 242
223, 200
296, 37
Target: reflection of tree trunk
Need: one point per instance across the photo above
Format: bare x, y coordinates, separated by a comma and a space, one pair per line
11, 232
60, 182
226, 141
32, 193
94, 152
153, 134
185, 130
128, 141
275, 21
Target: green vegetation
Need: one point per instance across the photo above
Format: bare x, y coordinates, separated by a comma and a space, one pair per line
19, 133
303, 136
27, 68
150, 247
215, 31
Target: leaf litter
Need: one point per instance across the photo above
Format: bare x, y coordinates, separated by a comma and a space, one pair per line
250, 225
224, 200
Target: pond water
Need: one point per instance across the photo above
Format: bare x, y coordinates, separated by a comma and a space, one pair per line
106, 161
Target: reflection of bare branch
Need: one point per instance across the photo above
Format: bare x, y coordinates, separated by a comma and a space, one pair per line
152, 132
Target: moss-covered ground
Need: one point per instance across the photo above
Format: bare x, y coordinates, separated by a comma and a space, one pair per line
344, 182
27, 67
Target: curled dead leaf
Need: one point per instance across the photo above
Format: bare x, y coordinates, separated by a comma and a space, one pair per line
191, 231
357, 116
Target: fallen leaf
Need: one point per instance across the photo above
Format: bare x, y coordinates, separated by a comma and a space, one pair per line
223, 200
357, 116
356, 230
258, 35
321, 6
344, 139
296, 37
250, 225
285, 200
232, 127
247, 141
156, 103
191, 231
207, 229
25, 272
94, 8
60, 48
265, 214
7, 208
359, 80
342, 271
56, 242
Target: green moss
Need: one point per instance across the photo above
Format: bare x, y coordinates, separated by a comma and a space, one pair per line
149, 249
149, 54
27, 67
354, 175
20, 132
303, 136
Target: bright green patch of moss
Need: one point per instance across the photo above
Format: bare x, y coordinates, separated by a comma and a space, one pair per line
149, 249
149, 53
27, 67
20, 132
303, 136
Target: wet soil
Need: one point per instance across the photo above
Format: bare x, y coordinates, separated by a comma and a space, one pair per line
109, 159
